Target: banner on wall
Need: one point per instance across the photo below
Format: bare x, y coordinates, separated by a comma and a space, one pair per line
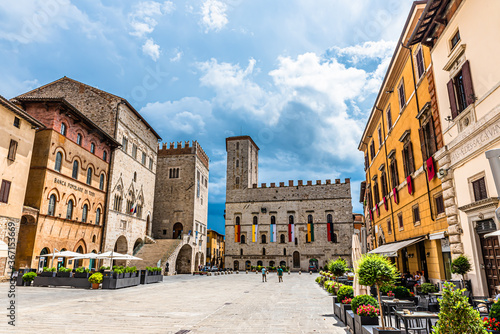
237, 233
291, 232
273, 232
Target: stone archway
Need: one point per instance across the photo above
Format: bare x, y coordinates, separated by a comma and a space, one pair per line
183, 263
137, 245
177, 231
296, 259
197, 262
121, 246
236, 265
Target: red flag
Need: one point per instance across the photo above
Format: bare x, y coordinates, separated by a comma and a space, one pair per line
395, 195
290, 232
371, 215
431, 172
409, 184
378, 210
385, 203
329, 231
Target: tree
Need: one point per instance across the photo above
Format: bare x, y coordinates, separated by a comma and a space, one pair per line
456, 316
461, 266
337, 267
375, 269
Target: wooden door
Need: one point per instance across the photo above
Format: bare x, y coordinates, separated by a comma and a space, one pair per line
491, 260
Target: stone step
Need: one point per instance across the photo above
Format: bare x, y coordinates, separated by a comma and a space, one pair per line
150, 253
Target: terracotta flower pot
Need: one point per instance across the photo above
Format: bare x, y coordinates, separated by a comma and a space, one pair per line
95, 285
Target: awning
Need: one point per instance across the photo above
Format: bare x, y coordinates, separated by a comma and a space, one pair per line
437, 235
492, 234
391, 250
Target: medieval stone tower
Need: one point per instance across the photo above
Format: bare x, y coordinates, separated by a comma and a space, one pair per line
242, 163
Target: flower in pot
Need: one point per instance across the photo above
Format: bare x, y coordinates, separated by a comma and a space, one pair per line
95, 279
491, 325
29, 277
390, 294
344, 292
375, 269
367, 311
456, 315
346, 300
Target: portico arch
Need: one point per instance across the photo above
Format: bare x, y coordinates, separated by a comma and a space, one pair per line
183, 262
121, 246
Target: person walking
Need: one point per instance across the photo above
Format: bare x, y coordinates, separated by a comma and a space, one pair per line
264, 276
280, 274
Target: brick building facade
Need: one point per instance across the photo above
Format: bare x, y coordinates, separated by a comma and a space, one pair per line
284, 225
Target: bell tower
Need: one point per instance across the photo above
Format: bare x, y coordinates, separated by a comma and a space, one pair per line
242, 163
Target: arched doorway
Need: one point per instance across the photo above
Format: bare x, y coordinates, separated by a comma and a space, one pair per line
236, 265
183, 262
137, 246
283, 264
248, 265
197, 262
296, 259
259, 263
61, 262
177, 232
92, 264
121, 246
78, 263
271, 264
44, 261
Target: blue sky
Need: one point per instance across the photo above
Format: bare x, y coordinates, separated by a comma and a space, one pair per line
300, 77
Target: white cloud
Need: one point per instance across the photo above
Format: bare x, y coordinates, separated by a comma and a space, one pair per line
372, 49
214, 15
177, 57
151, 49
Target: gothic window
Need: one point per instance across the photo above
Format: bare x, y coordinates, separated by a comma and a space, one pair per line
282, 238
105, 156
101, 182
98, 216
89, 176
69, 210
92, 148
242, 239
290, 219
125, 144
143, 158
63, 129
57, 167
75, 169
134, 151
238, 180
273, 220
84, 213
237, 220
79, 139
237, 163
255, 220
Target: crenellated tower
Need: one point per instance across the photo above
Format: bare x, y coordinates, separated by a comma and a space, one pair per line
242, 163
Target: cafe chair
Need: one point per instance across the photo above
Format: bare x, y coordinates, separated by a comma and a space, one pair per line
416, 325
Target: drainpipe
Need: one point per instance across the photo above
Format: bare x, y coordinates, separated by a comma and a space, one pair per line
420, 124
387, 166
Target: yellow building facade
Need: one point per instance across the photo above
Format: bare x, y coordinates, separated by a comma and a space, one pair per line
215, 249
402, 191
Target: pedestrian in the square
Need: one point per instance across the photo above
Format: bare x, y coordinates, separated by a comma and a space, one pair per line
280, 274
264, 276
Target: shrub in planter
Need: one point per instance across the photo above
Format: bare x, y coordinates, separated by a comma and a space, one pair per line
401, 292
64, 272
456, 315
363, 300
495, 311
345, 291
375, 269
346, 300
386, 288
48, 272
95, 279
491, 324
390, 294
428, 288
337, 267
367, 311
461, 266
28, 277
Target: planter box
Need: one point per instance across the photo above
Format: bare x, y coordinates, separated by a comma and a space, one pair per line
64, 274
359, 322
349, 317
109, 282
81, 275
376, 330
47, 274
336, 310
147, 277
343, 309
62, 281
492, 331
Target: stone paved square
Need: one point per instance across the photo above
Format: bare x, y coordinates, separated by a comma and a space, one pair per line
237, 303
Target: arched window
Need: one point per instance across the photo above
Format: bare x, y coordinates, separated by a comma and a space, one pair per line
334, 237
92, 148
329, 218
79, 139
105, 156
75, 169
282, 238
263, 251
296, 241
237, 145
84, 213
52, 205
238, 180
237, 220
89, 176
273, 220
310, 219
57, 167
101, 182
241, 251
290, 219
242, 239
237, 163
259, 263
263, 239
93, 238
69, 210
97, 216
284, 251
63, 129
255, 220
135, 176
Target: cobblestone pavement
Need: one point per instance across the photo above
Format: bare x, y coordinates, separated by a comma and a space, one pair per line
217, 304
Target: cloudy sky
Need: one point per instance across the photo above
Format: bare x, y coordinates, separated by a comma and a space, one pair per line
299, 76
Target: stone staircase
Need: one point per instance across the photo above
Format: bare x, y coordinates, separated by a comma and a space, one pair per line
150, 253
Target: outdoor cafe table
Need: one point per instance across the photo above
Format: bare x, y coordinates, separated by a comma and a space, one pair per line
426, 315
390, 303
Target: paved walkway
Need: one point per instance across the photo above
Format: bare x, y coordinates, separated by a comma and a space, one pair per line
217, 304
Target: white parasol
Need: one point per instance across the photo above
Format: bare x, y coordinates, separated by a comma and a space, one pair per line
356, 256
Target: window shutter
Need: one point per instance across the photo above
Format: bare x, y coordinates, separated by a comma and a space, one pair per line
422, 143
453, 100
469, 89
411, 164
396, 178
432, 137
4, 192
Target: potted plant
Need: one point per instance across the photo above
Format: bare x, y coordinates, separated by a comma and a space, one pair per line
48, 272
456, 315
337, 267
461, 266
401, 292
375, 269
103, 268
64, 272
491, 325
345, 294
426, 288
117, 273
390, 294
367, 316
96, 280
81, 272
28, 278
